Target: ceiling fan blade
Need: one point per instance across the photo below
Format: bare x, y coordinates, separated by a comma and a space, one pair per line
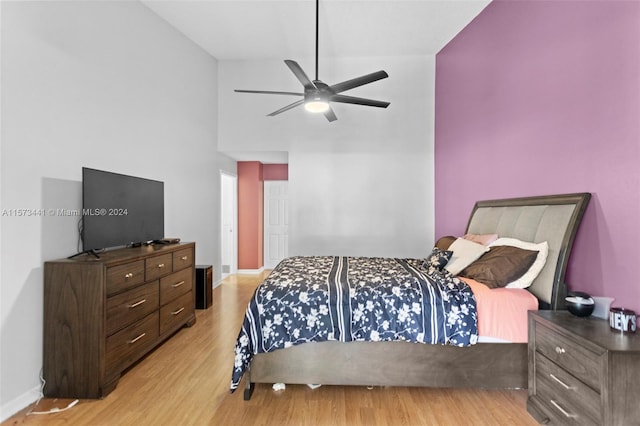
331, 116
358, 81
267, 92
300, 74
358, 101
286, 108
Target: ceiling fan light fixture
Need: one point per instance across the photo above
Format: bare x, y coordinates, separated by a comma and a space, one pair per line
316, 104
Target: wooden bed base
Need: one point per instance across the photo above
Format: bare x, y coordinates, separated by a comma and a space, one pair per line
484, 365
553, 218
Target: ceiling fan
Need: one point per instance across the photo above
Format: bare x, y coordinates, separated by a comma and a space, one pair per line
318, 95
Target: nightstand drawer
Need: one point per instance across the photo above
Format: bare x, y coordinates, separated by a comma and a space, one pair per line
568, 354
564, 395
581, 372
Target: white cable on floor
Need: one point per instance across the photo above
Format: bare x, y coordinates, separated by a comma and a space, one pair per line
55, 409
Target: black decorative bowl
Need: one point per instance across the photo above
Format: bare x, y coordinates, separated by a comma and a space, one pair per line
580, 304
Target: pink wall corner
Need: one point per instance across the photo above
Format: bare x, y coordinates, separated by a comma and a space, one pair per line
538, 98
250, 215
251, 177
275, 171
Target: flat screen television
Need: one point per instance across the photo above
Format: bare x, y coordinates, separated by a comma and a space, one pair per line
120, 210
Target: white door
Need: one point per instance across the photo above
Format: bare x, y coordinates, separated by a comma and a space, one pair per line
276, 222
228, 215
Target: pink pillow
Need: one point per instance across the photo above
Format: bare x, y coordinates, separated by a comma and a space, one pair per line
484, 239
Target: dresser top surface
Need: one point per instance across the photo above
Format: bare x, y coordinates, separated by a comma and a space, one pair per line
127, 254
593, 329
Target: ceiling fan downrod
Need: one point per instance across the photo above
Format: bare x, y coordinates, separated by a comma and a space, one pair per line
317, 36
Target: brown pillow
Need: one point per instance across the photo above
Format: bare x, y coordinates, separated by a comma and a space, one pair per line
444, 242
500, 266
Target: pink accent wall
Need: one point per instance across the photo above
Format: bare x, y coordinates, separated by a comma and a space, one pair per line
543, 97
250, 215
275, 171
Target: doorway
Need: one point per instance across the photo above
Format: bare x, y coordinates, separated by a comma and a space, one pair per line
276, 222
229, 224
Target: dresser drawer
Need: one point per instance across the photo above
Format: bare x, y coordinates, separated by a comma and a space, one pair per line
175, 284
129, 344
565, 395
182, 259
122, 277
570, 355
130, 306
158, 266
176, 312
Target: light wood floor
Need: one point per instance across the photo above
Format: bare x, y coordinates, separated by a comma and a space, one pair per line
185, 381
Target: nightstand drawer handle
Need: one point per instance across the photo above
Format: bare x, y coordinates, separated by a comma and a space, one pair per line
184, 257
129, 275
176, 285
133, 305
144, 334
559, 350
562, 410
161, 265
177, 312
566, 386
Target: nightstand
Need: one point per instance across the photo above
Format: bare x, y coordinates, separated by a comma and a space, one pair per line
581, 372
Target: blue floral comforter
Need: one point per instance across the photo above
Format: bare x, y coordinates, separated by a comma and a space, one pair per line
314, 299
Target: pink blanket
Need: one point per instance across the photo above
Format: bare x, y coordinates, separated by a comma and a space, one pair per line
502, 312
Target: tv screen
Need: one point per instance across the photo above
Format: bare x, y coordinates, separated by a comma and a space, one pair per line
119, 210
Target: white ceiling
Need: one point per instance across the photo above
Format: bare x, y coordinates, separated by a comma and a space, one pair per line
262, 29
268, 30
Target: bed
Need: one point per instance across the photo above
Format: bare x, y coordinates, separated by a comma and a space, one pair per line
552, 219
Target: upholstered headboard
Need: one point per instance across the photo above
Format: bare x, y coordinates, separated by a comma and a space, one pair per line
552, 218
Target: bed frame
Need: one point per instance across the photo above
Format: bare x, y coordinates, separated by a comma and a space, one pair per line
553, 218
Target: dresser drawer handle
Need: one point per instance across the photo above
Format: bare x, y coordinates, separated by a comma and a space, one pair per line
566, 386
559, 350
178, 311
161, 265
184, 257
140, 337
562, 410
138, 303
176, 285
129, 275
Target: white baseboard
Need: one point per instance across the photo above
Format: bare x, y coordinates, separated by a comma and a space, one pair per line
251, 271
22, 401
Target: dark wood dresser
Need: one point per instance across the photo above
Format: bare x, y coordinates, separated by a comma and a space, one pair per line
102, 315
581, 372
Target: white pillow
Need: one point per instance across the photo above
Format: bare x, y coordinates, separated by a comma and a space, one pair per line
528, 277
465, 252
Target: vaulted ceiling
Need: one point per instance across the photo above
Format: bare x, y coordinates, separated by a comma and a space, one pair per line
261, 29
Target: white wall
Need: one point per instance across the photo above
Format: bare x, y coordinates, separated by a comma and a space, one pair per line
362, 185
107, 85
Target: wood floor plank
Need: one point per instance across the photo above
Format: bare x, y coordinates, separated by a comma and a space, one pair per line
185, 381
